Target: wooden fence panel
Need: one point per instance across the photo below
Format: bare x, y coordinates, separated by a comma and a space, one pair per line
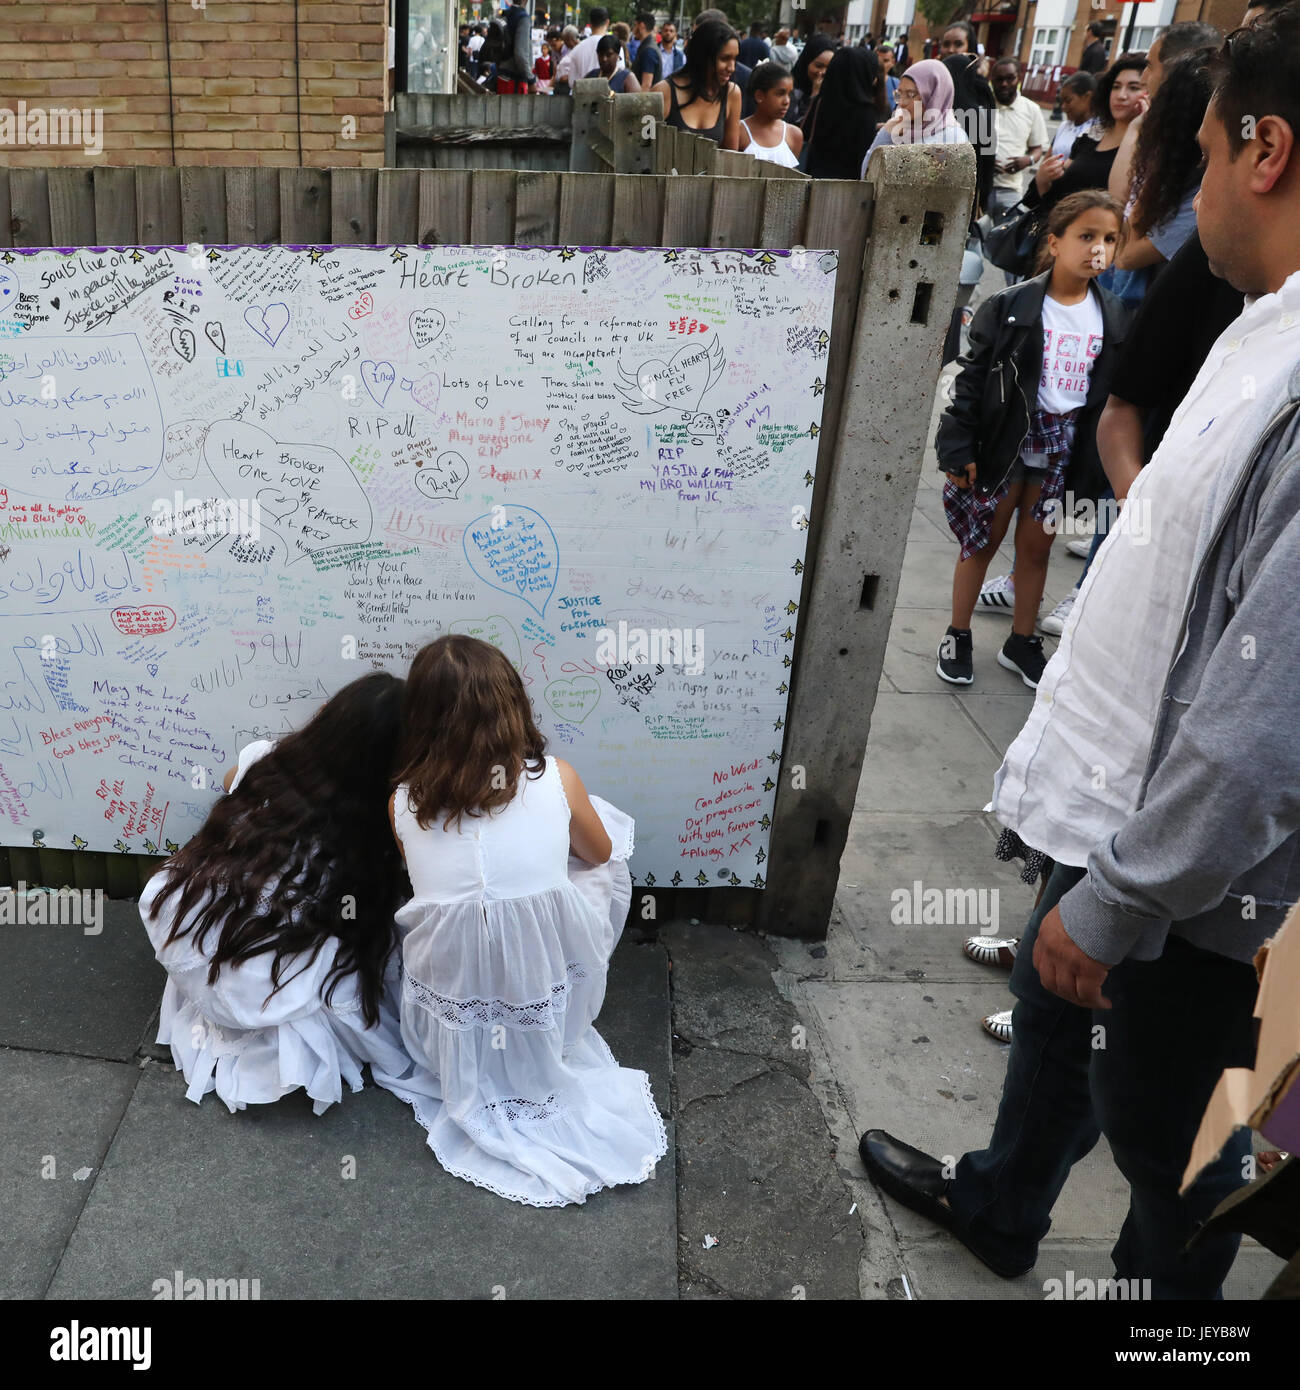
29, 197
115, 206
72, 207
537, 209
737, 212
158, 206
492, 209
305, 206
252, 206
6, 212
688, 205
397, 217
205, 206
352, 206
638, 210
586, 210
444, 207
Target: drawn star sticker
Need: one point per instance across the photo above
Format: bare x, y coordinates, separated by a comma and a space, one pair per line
213, 256
814, 430
803, 523
701, 878
780, 724
788, 634
767, 259
757, 881
797, 567
567, 253
785, 660
8, 258
398, 255
818, 386
774, 757
792, 607
766, 822
735, 882
782, 688
670, 257
78, 842
807, 480
760, 856
315, 254
676, 878
823, 338
649, 880
121, 846
136, 257
151, 847
768, 784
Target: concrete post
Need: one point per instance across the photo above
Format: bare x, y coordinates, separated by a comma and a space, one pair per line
632, 131
591, 95
920, 214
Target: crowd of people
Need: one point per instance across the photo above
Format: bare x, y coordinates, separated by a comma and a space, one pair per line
1151, 356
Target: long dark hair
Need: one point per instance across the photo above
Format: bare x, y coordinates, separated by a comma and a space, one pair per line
1167, 160
817, 44
469, 731
700, 69
853, 105
1126, 62
301, 850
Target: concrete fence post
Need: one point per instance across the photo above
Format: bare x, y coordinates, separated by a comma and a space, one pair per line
632, 131
590, 96
920, 214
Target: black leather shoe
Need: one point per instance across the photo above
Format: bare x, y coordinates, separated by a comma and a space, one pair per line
916, 1180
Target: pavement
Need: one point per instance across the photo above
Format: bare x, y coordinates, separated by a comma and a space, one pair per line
767, 1056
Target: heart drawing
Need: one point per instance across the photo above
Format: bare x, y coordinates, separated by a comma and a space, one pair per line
426, 326
183, 342
267, 322
216, 335
362, 306
378, 378
678, 384
573, 700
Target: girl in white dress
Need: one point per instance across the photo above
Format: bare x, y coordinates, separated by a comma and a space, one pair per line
765, 134
521, 890
275, 922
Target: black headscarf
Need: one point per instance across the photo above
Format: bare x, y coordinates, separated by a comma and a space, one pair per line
853, 105
818, 43
974, 105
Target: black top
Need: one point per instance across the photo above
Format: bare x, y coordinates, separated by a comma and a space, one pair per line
1089, 168
714, 132
1180, 317
753, 52
1093, 58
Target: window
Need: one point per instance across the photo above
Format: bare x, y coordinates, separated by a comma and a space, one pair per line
1046, 46
1141, 41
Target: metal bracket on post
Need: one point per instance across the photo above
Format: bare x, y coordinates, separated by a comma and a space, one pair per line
921, 213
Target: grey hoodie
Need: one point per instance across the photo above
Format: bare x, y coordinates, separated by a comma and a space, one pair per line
1211, 852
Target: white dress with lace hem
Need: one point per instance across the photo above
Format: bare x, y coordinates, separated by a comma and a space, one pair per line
506, 949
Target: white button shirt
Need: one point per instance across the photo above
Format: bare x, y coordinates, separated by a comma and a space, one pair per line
1071, 778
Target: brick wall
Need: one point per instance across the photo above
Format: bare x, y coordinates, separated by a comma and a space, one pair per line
233, 97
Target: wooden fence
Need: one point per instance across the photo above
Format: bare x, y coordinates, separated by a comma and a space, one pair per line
897, 238
592, 131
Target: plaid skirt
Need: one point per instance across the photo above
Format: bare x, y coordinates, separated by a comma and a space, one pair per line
970, 512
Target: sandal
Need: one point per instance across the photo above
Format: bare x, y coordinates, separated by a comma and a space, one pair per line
985, 950
998, 1026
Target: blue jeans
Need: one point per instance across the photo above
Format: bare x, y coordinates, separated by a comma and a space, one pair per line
1177, 1022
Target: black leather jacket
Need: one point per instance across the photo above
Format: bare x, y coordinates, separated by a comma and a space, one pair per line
993, 395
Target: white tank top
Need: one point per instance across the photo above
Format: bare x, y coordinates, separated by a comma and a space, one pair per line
774, 154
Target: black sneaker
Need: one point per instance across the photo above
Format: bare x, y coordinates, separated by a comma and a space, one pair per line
1024, 655
957, 657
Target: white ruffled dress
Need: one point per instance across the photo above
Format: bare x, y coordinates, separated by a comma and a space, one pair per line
505, 951
230, 1037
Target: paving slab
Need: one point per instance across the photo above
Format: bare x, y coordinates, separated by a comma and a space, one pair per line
911, 652
265, 1194
937, 1084
923, 758
60, 1115
64, 991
